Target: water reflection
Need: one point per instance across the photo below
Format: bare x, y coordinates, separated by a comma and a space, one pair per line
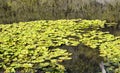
84, 59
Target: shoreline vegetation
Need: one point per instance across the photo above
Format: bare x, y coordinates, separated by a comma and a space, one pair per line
30, 10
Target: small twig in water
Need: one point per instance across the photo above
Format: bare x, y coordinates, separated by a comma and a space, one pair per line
102, 67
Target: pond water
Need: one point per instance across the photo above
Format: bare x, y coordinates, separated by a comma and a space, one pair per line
84, 60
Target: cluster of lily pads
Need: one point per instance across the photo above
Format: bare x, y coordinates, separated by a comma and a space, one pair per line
25, 46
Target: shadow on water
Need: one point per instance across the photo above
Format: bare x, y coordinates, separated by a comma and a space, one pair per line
115, 30
84, 59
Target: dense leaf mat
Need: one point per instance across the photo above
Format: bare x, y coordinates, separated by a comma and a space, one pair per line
25, 46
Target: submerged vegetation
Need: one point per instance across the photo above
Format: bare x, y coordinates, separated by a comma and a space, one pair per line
35, 46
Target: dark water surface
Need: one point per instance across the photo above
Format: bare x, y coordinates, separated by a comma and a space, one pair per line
84, 59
